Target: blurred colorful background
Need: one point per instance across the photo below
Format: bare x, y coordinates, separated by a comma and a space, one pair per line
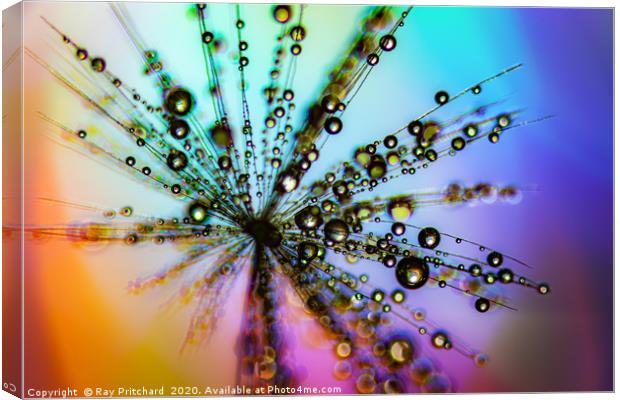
83, 329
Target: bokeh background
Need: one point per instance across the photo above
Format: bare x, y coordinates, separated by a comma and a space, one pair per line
83, 329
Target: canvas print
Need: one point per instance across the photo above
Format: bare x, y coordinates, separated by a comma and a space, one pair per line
222, 199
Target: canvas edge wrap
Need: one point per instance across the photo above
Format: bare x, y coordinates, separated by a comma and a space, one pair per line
12, 199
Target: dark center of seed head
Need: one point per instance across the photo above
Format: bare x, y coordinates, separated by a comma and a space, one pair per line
263, 232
